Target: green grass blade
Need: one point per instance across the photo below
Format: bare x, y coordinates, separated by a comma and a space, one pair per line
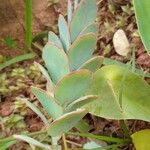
17, 59
28, 23
32, 141
5, 146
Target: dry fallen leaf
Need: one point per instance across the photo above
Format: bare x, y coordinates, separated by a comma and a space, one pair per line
121, 43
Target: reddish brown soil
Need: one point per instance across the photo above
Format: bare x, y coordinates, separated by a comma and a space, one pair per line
12, 21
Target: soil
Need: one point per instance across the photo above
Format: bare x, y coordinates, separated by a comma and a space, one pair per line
12, 15
112, 15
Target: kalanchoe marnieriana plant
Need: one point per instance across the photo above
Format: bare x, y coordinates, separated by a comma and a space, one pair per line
64, 57
70, 62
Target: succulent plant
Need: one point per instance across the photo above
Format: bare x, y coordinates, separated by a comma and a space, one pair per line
70, 63
18, 73
4, 83
52, 2
13, 121
33, 72
19, 106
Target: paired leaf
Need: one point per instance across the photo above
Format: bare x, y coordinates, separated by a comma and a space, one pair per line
84, 15
81, 50
54, 39
32, 141
48, 102
73, 86
80, 102
142, 13
135, 102
93, 64
64, 32
66, 122
56, 62
141, 140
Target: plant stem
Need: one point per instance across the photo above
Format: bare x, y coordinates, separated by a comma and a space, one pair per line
65, 142
28, 23
101, 137
124, 128
133, 60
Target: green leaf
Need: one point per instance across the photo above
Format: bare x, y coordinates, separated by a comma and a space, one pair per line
66, 122
141, 140
80, 102
135, 102
69, 11
64, 32
92, 28
56, 62
108, 61
73, 86
48, 102
47, 77
81, 50
54, 39
32, 141
91, 145
93, 64
36, 110
142, 13
17, 59
6, 145
82, 17
83, 126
